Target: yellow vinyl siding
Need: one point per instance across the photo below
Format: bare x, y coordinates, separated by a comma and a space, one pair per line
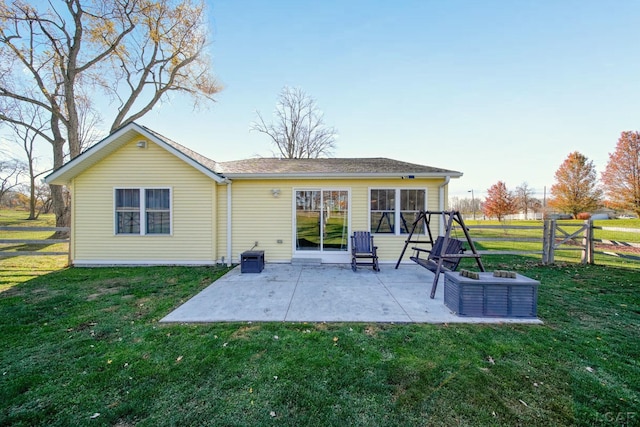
192, 206
259, 216
199, 211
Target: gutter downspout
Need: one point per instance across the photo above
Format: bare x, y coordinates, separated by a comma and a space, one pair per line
229, 252
441, 202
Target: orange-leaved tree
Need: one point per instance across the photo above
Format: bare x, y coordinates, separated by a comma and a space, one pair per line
499, 201
622, 174
576, 189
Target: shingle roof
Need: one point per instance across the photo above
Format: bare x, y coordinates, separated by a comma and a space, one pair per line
248, 168
329, 166
204, 161
312, 167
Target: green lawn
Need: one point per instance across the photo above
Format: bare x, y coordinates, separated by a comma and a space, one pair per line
567, 225
535, 232
83, 346
20, 269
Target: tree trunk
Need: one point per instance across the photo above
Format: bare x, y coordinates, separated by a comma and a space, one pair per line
60, 208
32, 194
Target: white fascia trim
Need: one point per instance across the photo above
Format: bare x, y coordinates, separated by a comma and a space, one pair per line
94, 150
340, 175
180, 155
90, 152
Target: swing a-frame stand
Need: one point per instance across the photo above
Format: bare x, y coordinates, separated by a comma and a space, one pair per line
446, 252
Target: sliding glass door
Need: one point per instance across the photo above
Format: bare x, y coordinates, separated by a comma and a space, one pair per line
322, 220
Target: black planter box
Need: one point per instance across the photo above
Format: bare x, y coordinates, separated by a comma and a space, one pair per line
252, 261
491, 296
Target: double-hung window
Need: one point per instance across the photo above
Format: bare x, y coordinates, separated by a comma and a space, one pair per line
142, 211
127, 211
158, 211
383, 211
394, 210
411, 203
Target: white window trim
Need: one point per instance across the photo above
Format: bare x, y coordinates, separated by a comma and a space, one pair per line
396, 209
143, 211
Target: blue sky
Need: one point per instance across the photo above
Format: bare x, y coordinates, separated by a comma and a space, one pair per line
499, 90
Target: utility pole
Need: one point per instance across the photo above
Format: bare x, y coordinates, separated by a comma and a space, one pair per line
473, 204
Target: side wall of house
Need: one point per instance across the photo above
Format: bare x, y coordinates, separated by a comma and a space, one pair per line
193, 206
259, 216
222, 224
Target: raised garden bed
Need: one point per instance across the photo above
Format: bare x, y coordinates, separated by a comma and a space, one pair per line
490, 296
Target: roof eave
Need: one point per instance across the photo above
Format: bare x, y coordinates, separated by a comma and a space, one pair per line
321, 175
94, 154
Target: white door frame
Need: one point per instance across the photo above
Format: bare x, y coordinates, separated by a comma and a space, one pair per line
327, 257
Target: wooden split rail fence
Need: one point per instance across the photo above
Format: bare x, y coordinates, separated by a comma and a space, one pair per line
16, 245
553, 236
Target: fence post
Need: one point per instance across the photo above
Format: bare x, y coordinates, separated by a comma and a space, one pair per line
587, 243
545, 242
592, 249
552, 242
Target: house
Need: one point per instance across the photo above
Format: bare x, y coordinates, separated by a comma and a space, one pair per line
141, 198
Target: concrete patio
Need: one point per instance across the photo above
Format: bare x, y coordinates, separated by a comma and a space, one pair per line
325, 293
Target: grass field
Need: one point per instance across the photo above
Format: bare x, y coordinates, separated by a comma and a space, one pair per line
508, 238
567, 225
84, 347
13, 268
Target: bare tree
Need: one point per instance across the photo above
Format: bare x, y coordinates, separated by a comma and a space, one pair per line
47, 52
298, 130
467, 206
11, 172
43, 199
137, 51
165, 54
456, 204
524, 198
26, 137
89, 122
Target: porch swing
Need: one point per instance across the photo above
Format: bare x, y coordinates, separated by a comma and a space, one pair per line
446, 252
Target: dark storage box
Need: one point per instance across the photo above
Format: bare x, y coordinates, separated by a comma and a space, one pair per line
491, 296
252, 261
